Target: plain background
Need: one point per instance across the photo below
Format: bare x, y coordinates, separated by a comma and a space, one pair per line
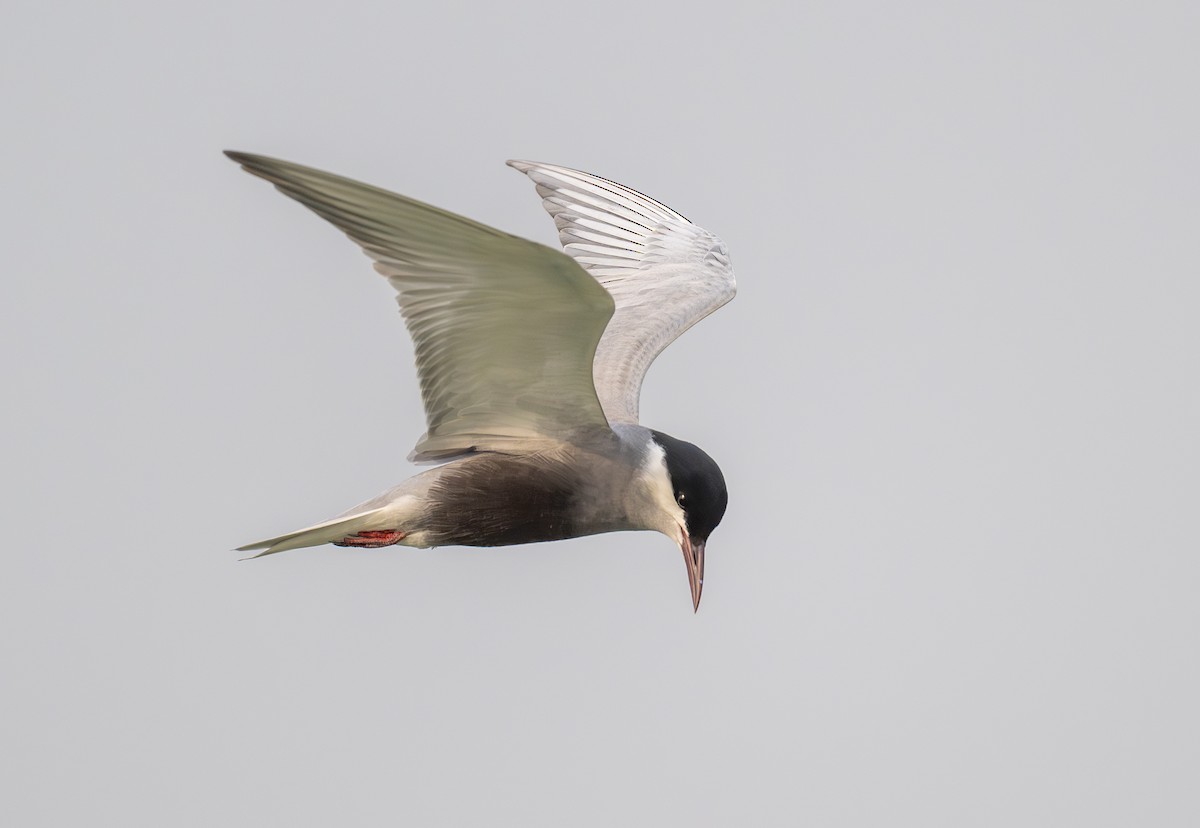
956, 403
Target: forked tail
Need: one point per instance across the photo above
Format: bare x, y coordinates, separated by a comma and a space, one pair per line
374, 522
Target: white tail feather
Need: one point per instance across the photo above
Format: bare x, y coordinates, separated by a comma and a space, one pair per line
327, 532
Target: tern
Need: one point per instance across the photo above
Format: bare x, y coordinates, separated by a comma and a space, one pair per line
531, 362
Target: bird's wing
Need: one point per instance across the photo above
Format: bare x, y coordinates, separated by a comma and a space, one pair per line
665, 273
505, 329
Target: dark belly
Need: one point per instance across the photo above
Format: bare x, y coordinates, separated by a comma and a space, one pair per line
499, 500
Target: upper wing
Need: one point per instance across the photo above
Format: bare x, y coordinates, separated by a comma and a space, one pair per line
665, 273
505, 329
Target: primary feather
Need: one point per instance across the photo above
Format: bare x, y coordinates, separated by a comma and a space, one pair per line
505, 329
665, 273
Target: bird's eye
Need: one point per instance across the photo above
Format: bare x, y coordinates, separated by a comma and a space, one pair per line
679, 498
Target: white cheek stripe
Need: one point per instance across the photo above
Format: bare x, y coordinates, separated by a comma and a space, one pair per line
668, 518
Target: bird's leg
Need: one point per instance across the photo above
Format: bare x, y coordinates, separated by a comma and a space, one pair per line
372, 540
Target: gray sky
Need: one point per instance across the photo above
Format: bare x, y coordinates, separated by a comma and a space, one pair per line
956, 403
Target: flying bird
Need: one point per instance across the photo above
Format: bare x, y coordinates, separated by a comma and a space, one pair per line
531, 363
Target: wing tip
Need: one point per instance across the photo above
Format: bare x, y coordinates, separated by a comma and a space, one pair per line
251, 163
239, 157
545, 167
258, 165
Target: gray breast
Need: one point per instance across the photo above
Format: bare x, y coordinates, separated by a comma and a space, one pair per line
499, 499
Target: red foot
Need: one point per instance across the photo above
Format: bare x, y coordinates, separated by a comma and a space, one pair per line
372, 540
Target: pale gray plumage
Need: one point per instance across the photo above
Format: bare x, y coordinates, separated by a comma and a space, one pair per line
530, 363
664, 272
497, 370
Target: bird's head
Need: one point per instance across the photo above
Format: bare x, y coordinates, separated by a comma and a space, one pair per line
700, 498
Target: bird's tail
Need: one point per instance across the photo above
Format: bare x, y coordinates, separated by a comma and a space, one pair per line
328, 532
